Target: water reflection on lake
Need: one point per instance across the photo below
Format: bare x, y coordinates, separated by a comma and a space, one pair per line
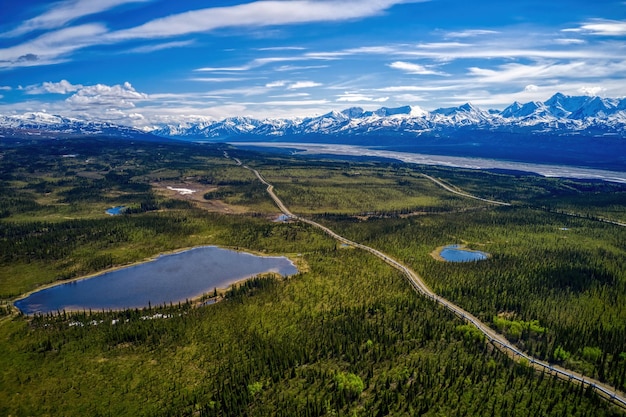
168, 278
455, 253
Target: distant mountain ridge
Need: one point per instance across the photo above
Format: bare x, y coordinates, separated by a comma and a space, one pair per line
43, 125
559, 114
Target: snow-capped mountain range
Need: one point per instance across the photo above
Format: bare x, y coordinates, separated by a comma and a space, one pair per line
560, 115
40, 124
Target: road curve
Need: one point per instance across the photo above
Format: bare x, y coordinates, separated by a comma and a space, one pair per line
502, 203
452, 190
495, 338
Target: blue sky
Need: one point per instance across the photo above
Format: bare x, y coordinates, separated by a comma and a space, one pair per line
144, 62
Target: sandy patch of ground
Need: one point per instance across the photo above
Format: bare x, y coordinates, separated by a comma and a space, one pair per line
194, 192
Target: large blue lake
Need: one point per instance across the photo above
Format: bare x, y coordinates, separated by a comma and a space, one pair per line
454, 253
168, 278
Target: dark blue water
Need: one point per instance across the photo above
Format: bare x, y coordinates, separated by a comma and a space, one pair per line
114, 211
453, 253
169, 278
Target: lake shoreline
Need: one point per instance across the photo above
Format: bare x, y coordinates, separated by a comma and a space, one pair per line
436, 254
195, 299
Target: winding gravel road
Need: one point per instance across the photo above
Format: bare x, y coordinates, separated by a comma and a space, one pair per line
498, 340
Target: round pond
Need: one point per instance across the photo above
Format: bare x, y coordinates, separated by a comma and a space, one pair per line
456, 253
114, 211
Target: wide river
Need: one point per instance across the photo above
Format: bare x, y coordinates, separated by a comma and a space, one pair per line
169, 278
562, 171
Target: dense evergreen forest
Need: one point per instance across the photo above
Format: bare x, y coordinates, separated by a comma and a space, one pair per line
347, 335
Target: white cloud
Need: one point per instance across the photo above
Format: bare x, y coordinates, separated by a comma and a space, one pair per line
303, 84
217, 79
64, 12
282, 48
103, 95
283, 68
255, 14
292, 102
275, 84
55, 47
517, 72
351, 97
409, 98
416, 88
569, 41
470, 33
161, 46
291, 95
5, 88
548, 70
592, 90
225, 69
414, 69
259, 62
531, 88
538, 47
601, 27
62, 87
51, 47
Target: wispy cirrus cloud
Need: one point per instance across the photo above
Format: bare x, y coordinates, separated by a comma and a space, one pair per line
256, 14
284, 68
64, 12
569, 41
414, 69
259, 62
470, 33
275, 84
355, 97
282, 48
303, 84
601, 27
161, 46
297, 103
55, 46
52, 47
546, 70
218, 79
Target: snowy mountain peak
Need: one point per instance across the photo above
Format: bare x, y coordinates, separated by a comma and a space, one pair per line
417, 111
467, 107
387, 111
511, 110
353, 112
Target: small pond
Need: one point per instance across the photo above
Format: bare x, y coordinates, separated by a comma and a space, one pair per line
168, 278
114, 211
456, 253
